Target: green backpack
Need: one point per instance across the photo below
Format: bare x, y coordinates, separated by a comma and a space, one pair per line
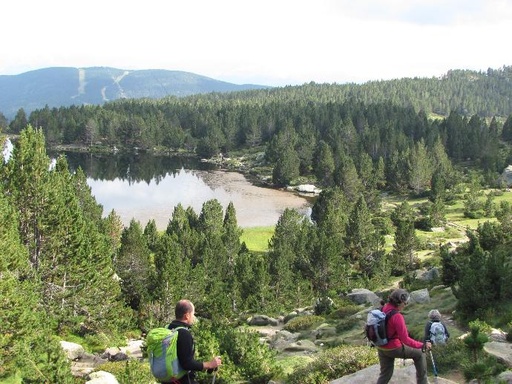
163, 354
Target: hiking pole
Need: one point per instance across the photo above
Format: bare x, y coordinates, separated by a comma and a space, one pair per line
433, 366
214, 374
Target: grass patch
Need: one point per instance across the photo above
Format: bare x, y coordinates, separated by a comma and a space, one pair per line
416, 315
257, 238
290, 364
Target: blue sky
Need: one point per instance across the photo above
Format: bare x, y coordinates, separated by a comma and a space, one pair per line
271, 42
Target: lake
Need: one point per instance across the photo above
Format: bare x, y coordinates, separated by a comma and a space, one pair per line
145, 187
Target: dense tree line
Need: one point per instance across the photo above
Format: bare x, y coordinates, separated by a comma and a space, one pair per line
390, 145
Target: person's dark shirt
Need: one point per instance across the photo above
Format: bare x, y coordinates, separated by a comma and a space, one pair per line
185, 347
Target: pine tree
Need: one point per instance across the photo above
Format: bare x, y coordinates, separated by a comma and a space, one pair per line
27, 182
215, 265
251, 281
286, 168
282, 257
173, 277
402, 255
362, 241
23, 334
506, 132
183, 228
330, 214
151, 234
324, 164
112, 227
347, 179
133, 266
80, 289
231, 241
420, 168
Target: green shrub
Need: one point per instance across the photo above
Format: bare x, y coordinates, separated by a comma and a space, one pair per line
481, 326
302, 323
482, 370
96, 343
244, 357
347, 324
130, 371
254, 360
449, 357
345, 311
334, 363
508, 331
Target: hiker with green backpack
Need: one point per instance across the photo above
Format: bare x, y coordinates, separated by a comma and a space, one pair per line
171, 350
399, 344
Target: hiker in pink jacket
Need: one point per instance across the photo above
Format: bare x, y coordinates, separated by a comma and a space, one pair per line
400, 345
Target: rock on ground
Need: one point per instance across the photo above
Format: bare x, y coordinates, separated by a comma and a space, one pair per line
403, 374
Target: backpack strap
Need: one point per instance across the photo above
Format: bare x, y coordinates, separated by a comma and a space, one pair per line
389, 315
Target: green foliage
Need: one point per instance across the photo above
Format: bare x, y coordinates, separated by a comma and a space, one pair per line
345, 311
323, 306
98, 342
334, 363
244, 356
508, 331
347, 324
449, 357
479, 326
483, 370
43, 361
301, 323
129, 372
479, 366
134, 267
59, 256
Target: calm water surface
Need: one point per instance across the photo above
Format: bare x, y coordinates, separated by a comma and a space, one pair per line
156, 199
145, 187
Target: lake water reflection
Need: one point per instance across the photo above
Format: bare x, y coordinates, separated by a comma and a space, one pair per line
255, 206
145, 187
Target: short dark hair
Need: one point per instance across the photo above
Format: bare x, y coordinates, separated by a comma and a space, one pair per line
182, 308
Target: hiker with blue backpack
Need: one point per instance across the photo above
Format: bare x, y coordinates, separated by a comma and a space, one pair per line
435, 330
171, 350
399, 345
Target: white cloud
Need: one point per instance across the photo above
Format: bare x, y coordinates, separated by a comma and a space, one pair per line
267, 42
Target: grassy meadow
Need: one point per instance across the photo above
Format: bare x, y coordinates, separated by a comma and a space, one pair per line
257, 238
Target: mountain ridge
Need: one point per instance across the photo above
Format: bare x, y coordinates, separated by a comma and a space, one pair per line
66, 86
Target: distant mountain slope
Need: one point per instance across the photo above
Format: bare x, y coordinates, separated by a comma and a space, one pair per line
65, 86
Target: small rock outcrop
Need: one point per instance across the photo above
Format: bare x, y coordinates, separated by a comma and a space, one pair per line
102, 377
403, 374
83, 364
73, 351
260, 320
363, 296
502, 351
420, 296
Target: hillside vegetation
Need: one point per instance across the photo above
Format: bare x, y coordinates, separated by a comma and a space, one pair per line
399, 190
